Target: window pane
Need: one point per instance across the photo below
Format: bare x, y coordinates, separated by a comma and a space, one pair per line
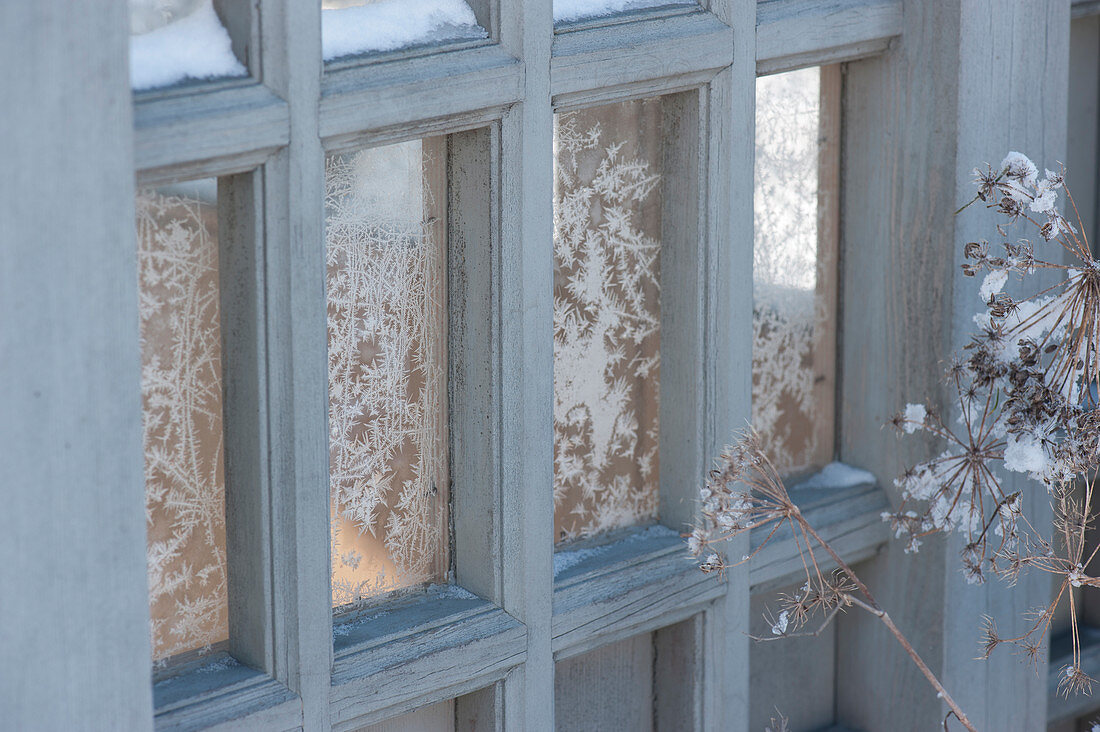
438, 717
177, 234
792, 316
174, 40
570, 11
354, 27
607, 241
387, 332
610, 688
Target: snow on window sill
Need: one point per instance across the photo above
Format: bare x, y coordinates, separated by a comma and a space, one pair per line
196, 47
393, 25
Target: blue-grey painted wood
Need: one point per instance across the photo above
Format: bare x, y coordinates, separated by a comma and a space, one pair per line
419, 652
648, 49
297, 374
224, 692
793, 34
197, 132
640, 582
728, 122
850, 519
428, 87
524, 195
949, 97
74, 623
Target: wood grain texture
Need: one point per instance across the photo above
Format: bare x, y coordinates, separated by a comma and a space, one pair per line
637, 586
431, 655
966, 84
848, 518
629, 53
244, 365
297, 374
729, 118
792, 34
74, 618
373, 96
1083, 123
524, 197
227, 129
219, 700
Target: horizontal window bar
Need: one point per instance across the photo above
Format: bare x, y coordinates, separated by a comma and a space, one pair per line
224, 690
848, 517
434, 645
229, 130
381, 95
643, 581
629, 53
793, 34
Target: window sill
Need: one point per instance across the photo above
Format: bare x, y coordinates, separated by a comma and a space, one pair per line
637, 584
849, 518
424, 648
224, 691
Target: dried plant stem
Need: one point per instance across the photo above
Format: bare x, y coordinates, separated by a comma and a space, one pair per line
872, 606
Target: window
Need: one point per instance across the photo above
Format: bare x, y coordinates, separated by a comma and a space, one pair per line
481, 448
413, 259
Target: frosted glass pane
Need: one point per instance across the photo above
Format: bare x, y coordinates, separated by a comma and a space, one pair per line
789, 310
607, 241
177, 235
175, 40
354, 27
387, 333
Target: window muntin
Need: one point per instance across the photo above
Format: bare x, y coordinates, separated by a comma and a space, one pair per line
385, 213
176, 40
793, 285
177, 234
607, 243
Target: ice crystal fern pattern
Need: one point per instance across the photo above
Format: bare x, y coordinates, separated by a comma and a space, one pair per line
787, 314
181, 394
387, 400
606, 317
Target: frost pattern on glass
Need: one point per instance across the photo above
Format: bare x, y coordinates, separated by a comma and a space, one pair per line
786, 309
607, 229
182, 420
387, 329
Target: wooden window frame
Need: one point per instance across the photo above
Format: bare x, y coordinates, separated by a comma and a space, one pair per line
266, 139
